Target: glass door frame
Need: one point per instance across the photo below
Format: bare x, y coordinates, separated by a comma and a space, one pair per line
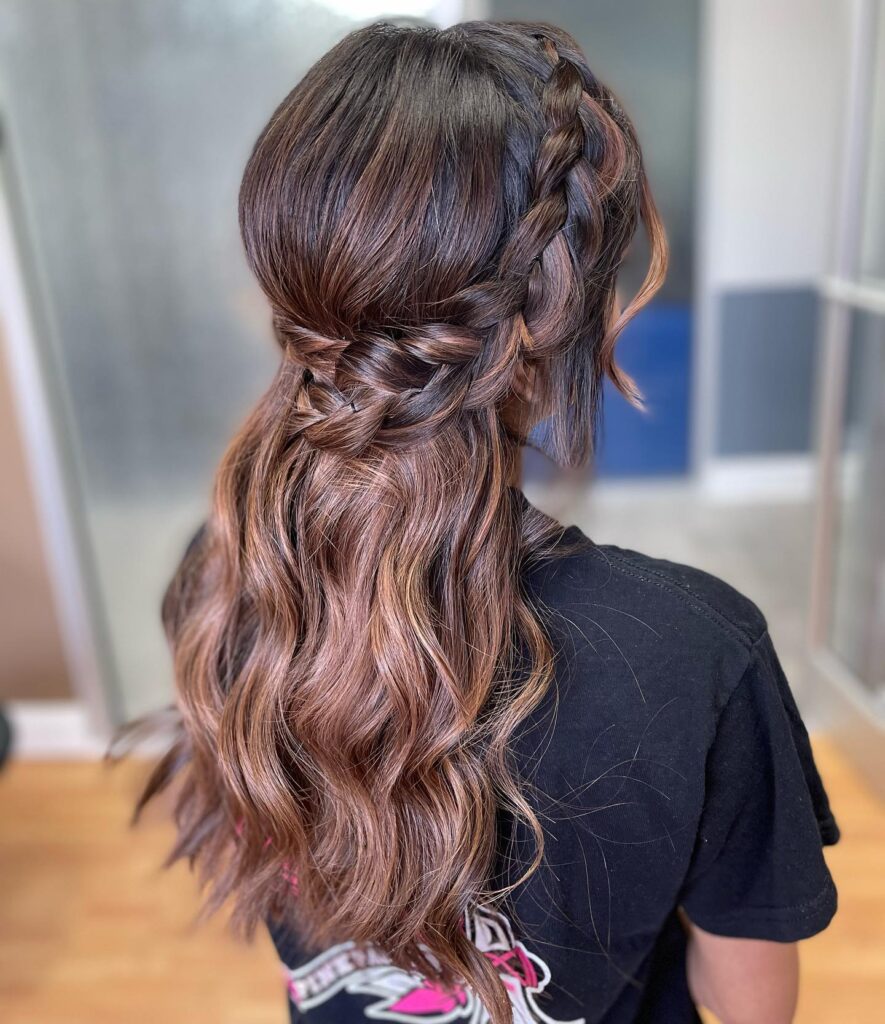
849, 711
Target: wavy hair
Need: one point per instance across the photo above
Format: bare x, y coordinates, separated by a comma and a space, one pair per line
437, 218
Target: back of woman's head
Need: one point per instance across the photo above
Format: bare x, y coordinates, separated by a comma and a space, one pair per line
438, 219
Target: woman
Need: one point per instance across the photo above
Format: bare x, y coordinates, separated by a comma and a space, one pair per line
467, 764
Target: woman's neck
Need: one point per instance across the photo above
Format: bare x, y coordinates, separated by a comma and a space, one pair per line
515, 479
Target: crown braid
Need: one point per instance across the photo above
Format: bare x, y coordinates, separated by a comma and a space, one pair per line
396, 388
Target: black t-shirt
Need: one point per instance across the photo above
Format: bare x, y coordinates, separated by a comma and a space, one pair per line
670, 767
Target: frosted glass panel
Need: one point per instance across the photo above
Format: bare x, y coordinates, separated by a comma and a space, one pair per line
126, 126
873, 237
857, 629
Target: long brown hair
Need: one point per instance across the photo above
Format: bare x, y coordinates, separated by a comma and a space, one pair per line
438, 219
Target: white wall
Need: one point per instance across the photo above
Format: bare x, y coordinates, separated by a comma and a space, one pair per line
773, 93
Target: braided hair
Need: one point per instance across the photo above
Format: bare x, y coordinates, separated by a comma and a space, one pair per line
437, 218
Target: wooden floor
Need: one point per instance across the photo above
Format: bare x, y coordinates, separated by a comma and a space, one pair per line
92, 931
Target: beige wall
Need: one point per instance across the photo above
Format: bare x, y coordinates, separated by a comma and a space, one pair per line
32, 664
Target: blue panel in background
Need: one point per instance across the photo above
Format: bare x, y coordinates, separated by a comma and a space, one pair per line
655, 349
767, 361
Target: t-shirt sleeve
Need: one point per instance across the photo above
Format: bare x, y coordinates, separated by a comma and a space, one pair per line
758, 869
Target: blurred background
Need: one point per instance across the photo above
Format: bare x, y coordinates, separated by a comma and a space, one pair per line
133, 340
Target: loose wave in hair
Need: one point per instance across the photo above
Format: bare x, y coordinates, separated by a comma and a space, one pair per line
437, 218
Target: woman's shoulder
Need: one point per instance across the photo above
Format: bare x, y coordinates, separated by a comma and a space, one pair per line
671, 751
703, 593
671, 630
587, 571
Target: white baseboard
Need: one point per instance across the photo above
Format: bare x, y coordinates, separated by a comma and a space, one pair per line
53, 730
758, 478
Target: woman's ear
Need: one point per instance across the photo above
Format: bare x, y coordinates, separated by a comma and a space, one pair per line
527, 405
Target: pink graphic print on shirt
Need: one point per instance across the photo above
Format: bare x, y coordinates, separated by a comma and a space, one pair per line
410, 999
